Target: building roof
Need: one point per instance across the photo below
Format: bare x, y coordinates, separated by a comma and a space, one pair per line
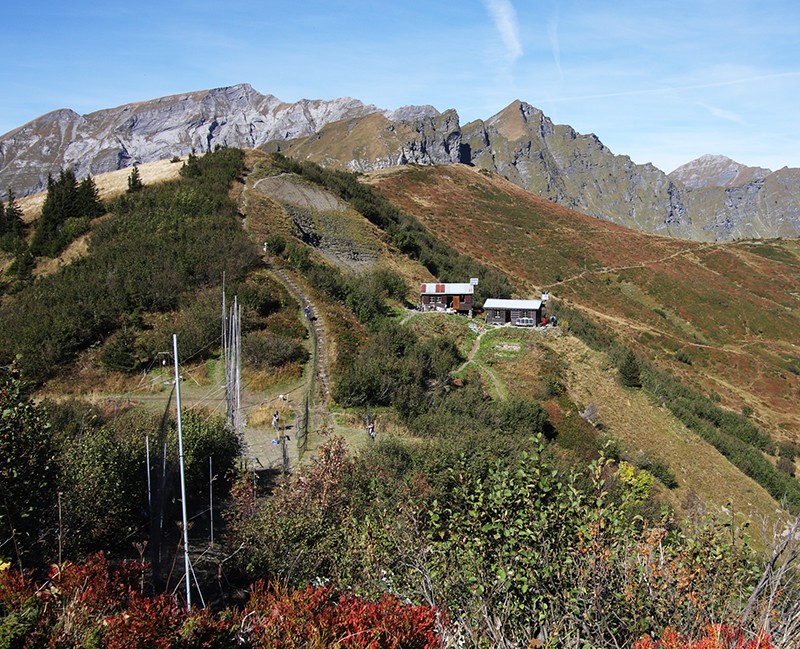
496, 303
447, 289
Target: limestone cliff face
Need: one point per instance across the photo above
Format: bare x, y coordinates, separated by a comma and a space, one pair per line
767, 207
710, 199
153, 130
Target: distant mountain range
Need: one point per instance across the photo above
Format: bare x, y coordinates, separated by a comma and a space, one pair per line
711, 199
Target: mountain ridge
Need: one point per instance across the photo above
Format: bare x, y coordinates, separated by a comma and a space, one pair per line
698, 201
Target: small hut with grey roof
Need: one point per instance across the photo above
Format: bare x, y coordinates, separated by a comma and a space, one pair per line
515, 312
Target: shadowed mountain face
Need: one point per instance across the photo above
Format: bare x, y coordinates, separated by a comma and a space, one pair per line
711, 199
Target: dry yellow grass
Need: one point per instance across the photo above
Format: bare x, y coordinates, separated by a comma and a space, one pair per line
109, 185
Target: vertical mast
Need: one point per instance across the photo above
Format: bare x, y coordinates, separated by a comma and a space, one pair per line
183, 476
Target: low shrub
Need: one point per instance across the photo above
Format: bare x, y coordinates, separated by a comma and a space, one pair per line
715, 636
263, 348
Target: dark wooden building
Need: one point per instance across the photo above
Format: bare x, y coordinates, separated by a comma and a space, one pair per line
441, 297
515, 312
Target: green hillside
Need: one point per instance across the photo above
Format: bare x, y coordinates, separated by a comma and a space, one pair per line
577, 485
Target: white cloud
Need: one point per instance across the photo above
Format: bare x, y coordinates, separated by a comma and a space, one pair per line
504, 18
552, 34
724, 114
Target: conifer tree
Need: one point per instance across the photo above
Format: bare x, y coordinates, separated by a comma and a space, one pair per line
629, 371
65, 200
191, 168
11, 225
13, 216
135, 183
88, 199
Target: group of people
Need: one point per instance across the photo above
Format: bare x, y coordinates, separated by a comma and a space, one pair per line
552, 320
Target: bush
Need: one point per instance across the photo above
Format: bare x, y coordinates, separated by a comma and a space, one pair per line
264, 349
27, 473
786, 466
275, 244
715, 636
659, 470
316, 617
390, 284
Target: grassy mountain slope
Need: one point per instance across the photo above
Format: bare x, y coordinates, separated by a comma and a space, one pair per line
731, 312
662, 296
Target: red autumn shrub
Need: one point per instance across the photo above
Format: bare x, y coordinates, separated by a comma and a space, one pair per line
69, 608
715, 636
152, 622
16, 589
95, 604
312, 617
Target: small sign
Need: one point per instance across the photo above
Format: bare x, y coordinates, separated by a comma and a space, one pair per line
545, 297
473, 281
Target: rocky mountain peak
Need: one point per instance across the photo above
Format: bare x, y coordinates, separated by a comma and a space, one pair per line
412, 113
716, 171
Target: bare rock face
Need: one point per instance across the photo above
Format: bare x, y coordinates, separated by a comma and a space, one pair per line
154, 130
716, 171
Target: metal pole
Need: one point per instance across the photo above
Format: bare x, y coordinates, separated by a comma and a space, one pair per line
238, 308
149, 492
284, 451
60, 530
211, 495
183, 476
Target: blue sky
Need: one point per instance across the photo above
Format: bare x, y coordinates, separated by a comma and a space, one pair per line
659, 81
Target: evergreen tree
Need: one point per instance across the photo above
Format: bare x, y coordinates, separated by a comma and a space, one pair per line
88, 199
629, 371
191, 168
135, 183
65, 200
12, 220
24, 262
11, 225
59, 205
120, 353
